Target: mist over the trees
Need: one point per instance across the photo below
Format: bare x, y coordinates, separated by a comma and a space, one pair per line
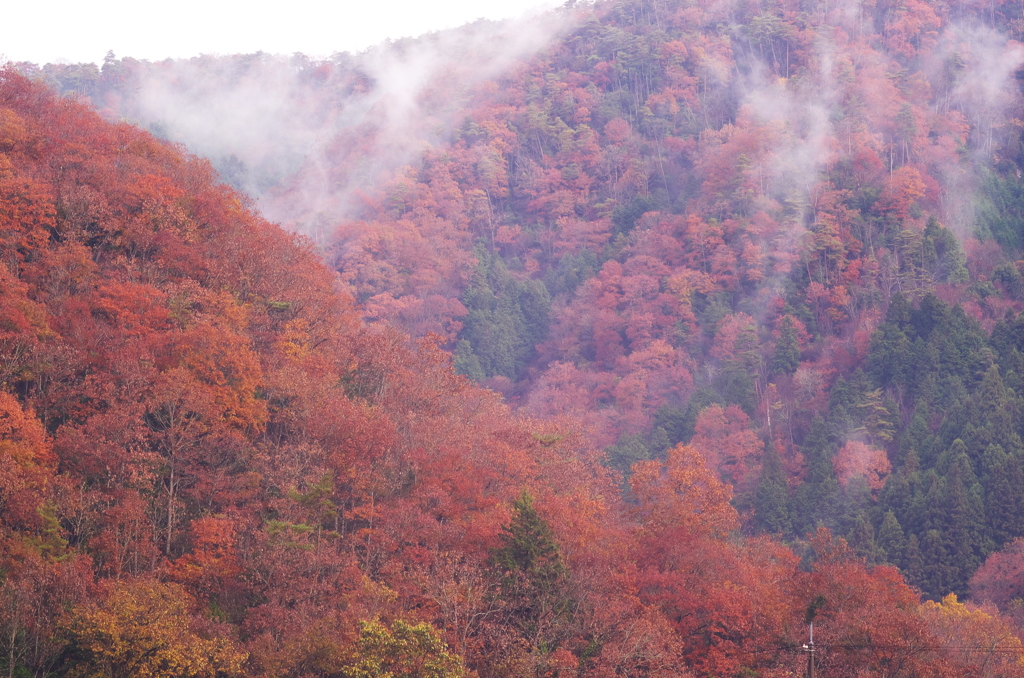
618, 342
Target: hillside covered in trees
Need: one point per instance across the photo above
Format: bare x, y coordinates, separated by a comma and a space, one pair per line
637, 333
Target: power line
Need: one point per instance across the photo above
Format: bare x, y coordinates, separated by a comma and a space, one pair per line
873, 646
923, 648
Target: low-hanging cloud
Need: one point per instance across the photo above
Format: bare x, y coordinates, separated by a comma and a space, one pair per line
277, 126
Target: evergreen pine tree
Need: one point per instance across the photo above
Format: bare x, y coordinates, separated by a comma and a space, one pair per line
946, 260
771, 499
898, 493
936, 578
466, 361
913, 563
915, 436
930, 314
787, 348
1012, 367
816, 501
861, 538
963, 533
535, 583
1003, 482
991, 396
675, 422
899, 310
506, 318
628, 450
891, 539
889, 359
659, 443
528, 546
927, 509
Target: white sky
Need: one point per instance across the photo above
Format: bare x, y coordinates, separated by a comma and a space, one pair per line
44, 31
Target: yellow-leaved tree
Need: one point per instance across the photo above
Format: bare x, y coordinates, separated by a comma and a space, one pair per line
144, 629
403, 651
974, 640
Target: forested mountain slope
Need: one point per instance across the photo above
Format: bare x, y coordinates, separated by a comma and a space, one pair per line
209, 466
787, 234
686, 221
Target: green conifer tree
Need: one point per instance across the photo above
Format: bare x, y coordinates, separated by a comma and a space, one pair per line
891, 539
816, 501
936, 578
913, 563
787, 349
1003, 481
861, 538
535, 583
466, 361
771, 499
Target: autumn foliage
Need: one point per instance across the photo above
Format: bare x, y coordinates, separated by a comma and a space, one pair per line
738, 372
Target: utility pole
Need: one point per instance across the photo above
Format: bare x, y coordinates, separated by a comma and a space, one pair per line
812, 612
809, 649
